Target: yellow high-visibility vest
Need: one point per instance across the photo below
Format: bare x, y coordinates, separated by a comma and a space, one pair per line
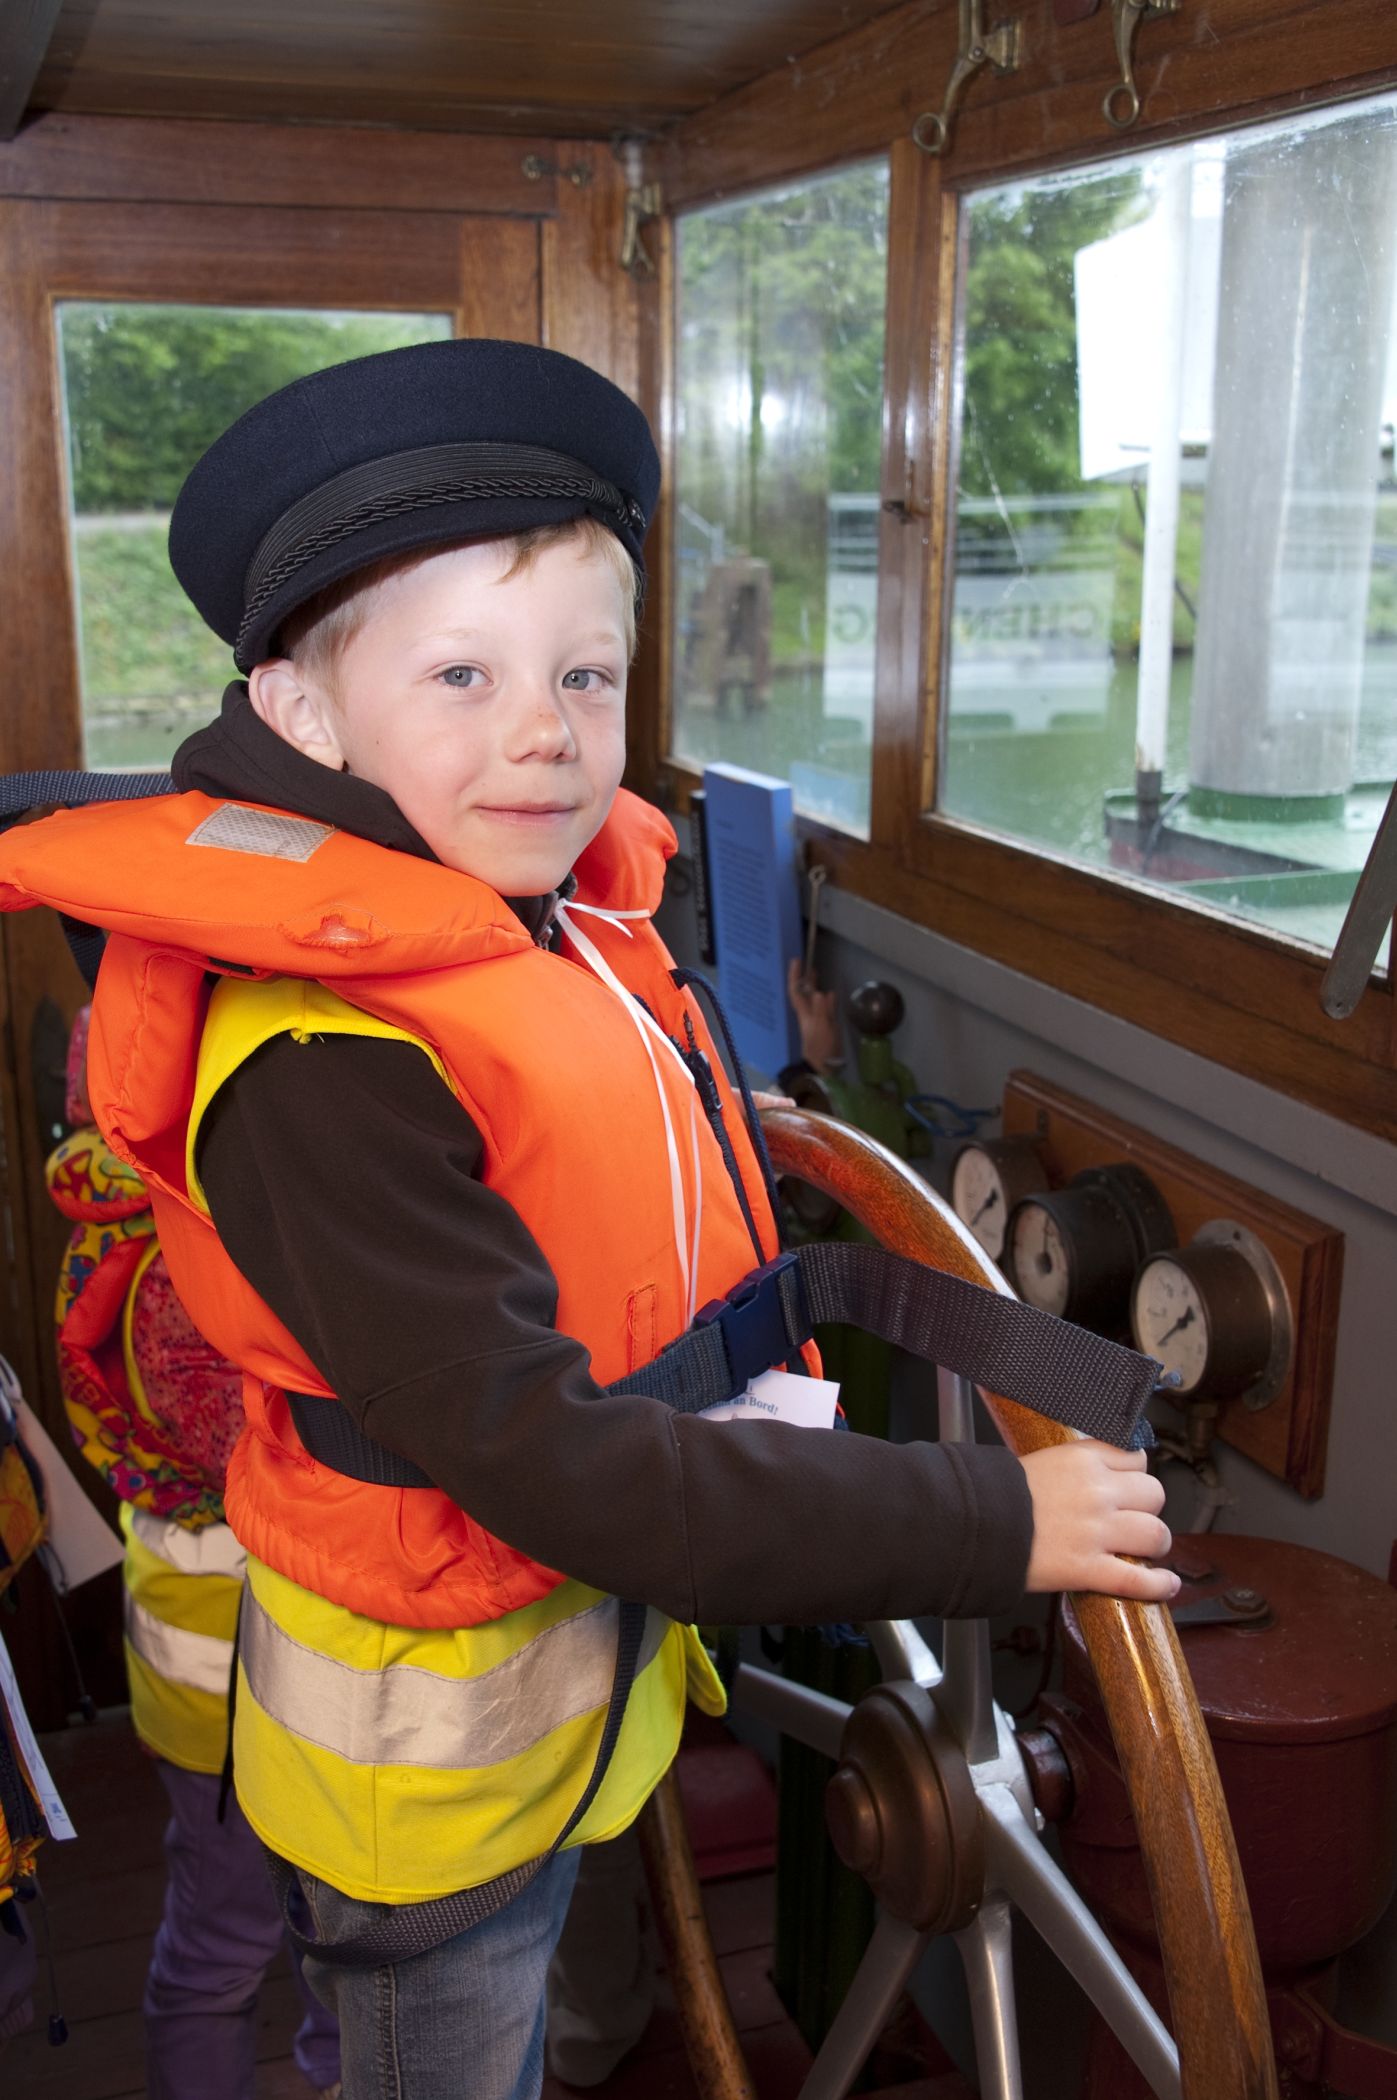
404, 1762
181, 1610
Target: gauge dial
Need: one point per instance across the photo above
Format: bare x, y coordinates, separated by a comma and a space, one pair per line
1105, 1222
1218, 1313
1170, 1320
988, 1178
1037, 1257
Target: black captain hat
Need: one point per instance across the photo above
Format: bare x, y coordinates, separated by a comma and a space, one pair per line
411, 448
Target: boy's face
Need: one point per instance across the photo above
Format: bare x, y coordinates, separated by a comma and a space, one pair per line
491, 709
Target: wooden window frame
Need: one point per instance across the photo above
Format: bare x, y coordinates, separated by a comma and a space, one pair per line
1233, 993
220, 214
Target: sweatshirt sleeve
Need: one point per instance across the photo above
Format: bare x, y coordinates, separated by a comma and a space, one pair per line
343, 1178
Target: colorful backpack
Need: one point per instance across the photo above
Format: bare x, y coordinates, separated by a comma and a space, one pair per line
23, 1525
23, 1516
152, 1405
22, 1825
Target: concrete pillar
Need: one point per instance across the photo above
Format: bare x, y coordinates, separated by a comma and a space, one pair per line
1308, 244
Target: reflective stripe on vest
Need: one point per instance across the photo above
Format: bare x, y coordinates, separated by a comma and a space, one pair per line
181, 1609
407, 1762
195, 1660
407, 1715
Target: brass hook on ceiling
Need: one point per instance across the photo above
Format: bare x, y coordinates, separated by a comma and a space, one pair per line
1122, 103
1000, 47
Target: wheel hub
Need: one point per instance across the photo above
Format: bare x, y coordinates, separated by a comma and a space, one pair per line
902, 1811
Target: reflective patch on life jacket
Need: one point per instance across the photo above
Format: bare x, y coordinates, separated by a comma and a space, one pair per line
405, 1715
238, 829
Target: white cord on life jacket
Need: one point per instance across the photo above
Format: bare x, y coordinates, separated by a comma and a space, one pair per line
650, 1031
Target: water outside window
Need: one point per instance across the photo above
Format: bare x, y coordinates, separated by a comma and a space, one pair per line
146, 389
1173, 632
780, 393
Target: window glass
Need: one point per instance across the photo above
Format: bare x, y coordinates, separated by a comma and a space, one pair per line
1173, 609
780, 398
146, 389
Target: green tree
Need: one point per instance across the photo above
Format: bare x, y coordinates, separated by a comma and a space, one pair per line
148, 388
1020, 433
781, 328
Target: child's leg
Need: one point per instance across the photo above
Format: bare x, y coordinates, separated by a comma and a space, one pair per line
220, 1929
601, 1987
465, 2018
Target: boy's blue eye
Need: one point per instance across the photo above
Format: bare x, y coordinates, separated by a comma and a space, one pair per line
460, 674
580, 681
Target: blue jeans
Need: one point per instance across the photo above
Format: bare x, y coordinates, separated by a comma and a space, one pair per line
462, 2022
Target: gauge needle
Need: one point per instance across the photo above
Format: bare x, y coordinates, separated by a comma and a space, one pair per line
1185, 1320
988, 1204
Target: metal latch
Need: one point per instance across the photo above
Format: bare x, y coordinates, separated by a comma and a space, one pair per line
1000, 47
644, 201
1239, 1607
1122, 103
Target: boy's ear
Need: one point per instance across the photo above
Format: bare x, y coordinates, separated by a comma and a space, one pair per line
296, 710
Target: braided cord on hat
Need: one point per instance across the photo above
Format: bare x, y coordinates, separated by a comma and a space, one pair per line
424, 479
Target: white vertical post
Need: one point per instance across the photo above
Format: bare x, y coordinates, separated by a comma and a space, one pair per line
1173, 219
1309, 260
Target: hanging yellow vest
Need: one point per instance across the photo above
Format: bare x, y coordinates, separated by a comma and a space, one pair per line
182, 1592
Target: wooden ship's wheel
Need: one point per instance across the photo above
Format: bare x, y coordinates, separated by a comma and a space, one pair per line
931, 1800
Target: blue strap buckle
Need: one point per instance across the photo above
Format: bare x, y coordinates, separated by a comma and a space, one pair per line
753, 1321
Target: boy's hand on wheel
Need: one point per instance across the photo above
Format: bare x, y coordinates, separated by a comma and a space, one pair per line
1092, 1504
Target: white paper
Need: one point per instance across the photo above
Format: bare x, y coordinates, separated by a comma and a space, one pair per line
55, 1814
80, 1542
781, 1396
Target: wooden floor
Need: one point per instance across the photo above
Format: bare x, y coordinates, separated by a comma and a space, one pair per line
103, 1896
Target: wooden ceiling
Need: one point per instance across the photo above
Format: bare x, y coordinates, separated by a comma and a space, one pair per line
565, 68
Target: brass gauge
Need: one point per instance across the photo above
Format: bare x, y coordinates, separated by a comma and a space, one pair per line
1074, 1251
1216, 1312
988, 1177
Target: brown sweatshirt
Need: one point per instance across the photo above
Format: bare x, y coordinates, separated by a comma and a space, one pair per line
343, 1178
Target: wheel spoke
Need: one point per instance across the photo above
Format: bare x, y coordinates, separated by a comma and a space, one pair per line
965, 1694
1021, 1866
891, 1957
902, 1652
810, 1717
986, 1951
955, 1407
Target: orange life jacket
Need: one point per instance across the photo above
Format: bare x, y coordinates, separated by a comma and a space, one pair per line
545, 1058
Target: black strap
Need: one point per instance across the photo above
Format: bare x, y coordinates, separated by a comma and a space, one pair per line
21, 792
738, 1071
1059, 1370
225, 1777
997, 1342
328, 1431
415, 1928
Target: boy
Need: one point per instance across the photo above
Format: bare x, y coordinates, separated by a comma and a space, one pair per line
429, 1161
